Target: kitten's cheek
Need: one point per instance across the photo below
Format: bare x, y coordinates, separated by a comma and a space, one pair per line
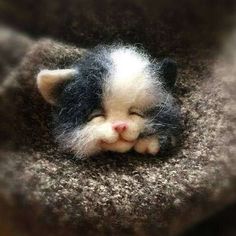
131, 134
107, 134
135, 128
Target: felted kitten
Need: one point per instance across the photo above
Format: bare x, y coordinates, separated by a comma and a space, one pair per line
115, 98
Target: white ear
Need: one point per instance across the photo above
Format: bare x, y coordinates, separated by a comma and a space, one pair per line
47, 81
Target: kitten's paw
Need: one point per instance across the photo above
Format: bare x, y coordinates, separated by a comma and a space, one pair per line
148, 145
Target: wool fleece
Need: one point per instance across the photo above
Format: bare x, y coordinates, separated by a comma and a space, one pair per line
113, 194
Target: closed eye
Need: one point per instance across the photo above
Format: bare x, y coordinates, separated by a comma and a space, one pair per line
136, 112
95, 114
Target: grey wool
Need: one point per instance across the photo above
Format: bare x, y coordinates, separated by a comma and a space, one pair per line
45, 191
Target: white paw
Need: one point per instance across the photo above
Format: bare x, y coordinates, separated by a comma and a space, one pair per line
148, 145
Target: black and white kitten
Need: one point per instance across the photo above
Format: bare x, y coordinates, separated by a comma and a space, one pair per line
115, 98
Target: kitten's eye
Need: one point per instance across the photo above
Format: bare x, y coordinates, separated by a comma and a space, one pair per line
136, 112
95, 114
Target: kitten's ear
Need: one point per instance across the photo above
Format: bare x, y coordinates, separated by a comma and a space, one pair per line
168, 72
48, 81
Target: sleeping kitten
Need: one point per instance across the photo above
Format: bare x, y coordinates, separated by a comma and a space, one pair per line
115, 98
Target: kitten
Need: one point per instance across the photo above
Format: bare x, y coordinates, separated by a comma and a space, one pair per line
115, 98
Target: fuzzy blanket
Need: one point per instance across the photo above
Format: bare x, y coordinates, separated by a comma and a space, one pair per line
45, 191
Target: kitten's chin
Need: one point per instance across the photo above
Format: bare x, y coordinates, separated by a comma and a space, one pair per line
119, 146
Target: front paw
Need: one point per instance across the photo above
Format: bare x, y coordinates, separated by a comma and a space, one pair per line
149, 145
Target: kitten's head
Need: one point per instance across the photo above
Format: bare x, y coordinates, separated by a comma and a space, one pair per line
105, 101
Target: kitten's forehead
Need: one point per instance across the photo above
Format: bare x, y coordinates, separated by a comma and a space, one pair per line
130, 82
128, 63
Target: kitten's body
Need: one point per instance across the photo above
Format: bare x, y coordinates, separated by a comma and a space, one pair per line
115, 98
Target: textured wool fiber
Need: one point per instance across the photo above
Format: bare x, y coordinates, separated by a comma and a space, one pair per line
54, 194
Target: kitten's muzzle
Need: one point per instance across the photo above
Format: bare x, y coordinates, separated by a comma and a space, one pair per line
122, 138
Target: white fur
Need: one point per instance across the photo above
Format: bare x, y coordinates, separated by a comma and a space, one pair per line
130, 82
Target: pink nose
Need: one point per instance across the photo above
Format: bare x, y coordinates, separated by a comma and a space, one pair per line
119, 127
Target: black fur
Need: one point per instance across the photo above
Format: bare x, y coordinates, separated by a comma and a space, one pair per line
167, 118
168, 73
166, 123
81, 96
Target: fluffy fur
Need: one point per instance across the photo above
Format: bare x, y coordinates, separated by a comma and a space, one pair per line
117, 99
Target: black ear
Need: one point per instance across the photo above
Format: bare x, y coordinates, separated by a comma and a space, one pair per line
168, 72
